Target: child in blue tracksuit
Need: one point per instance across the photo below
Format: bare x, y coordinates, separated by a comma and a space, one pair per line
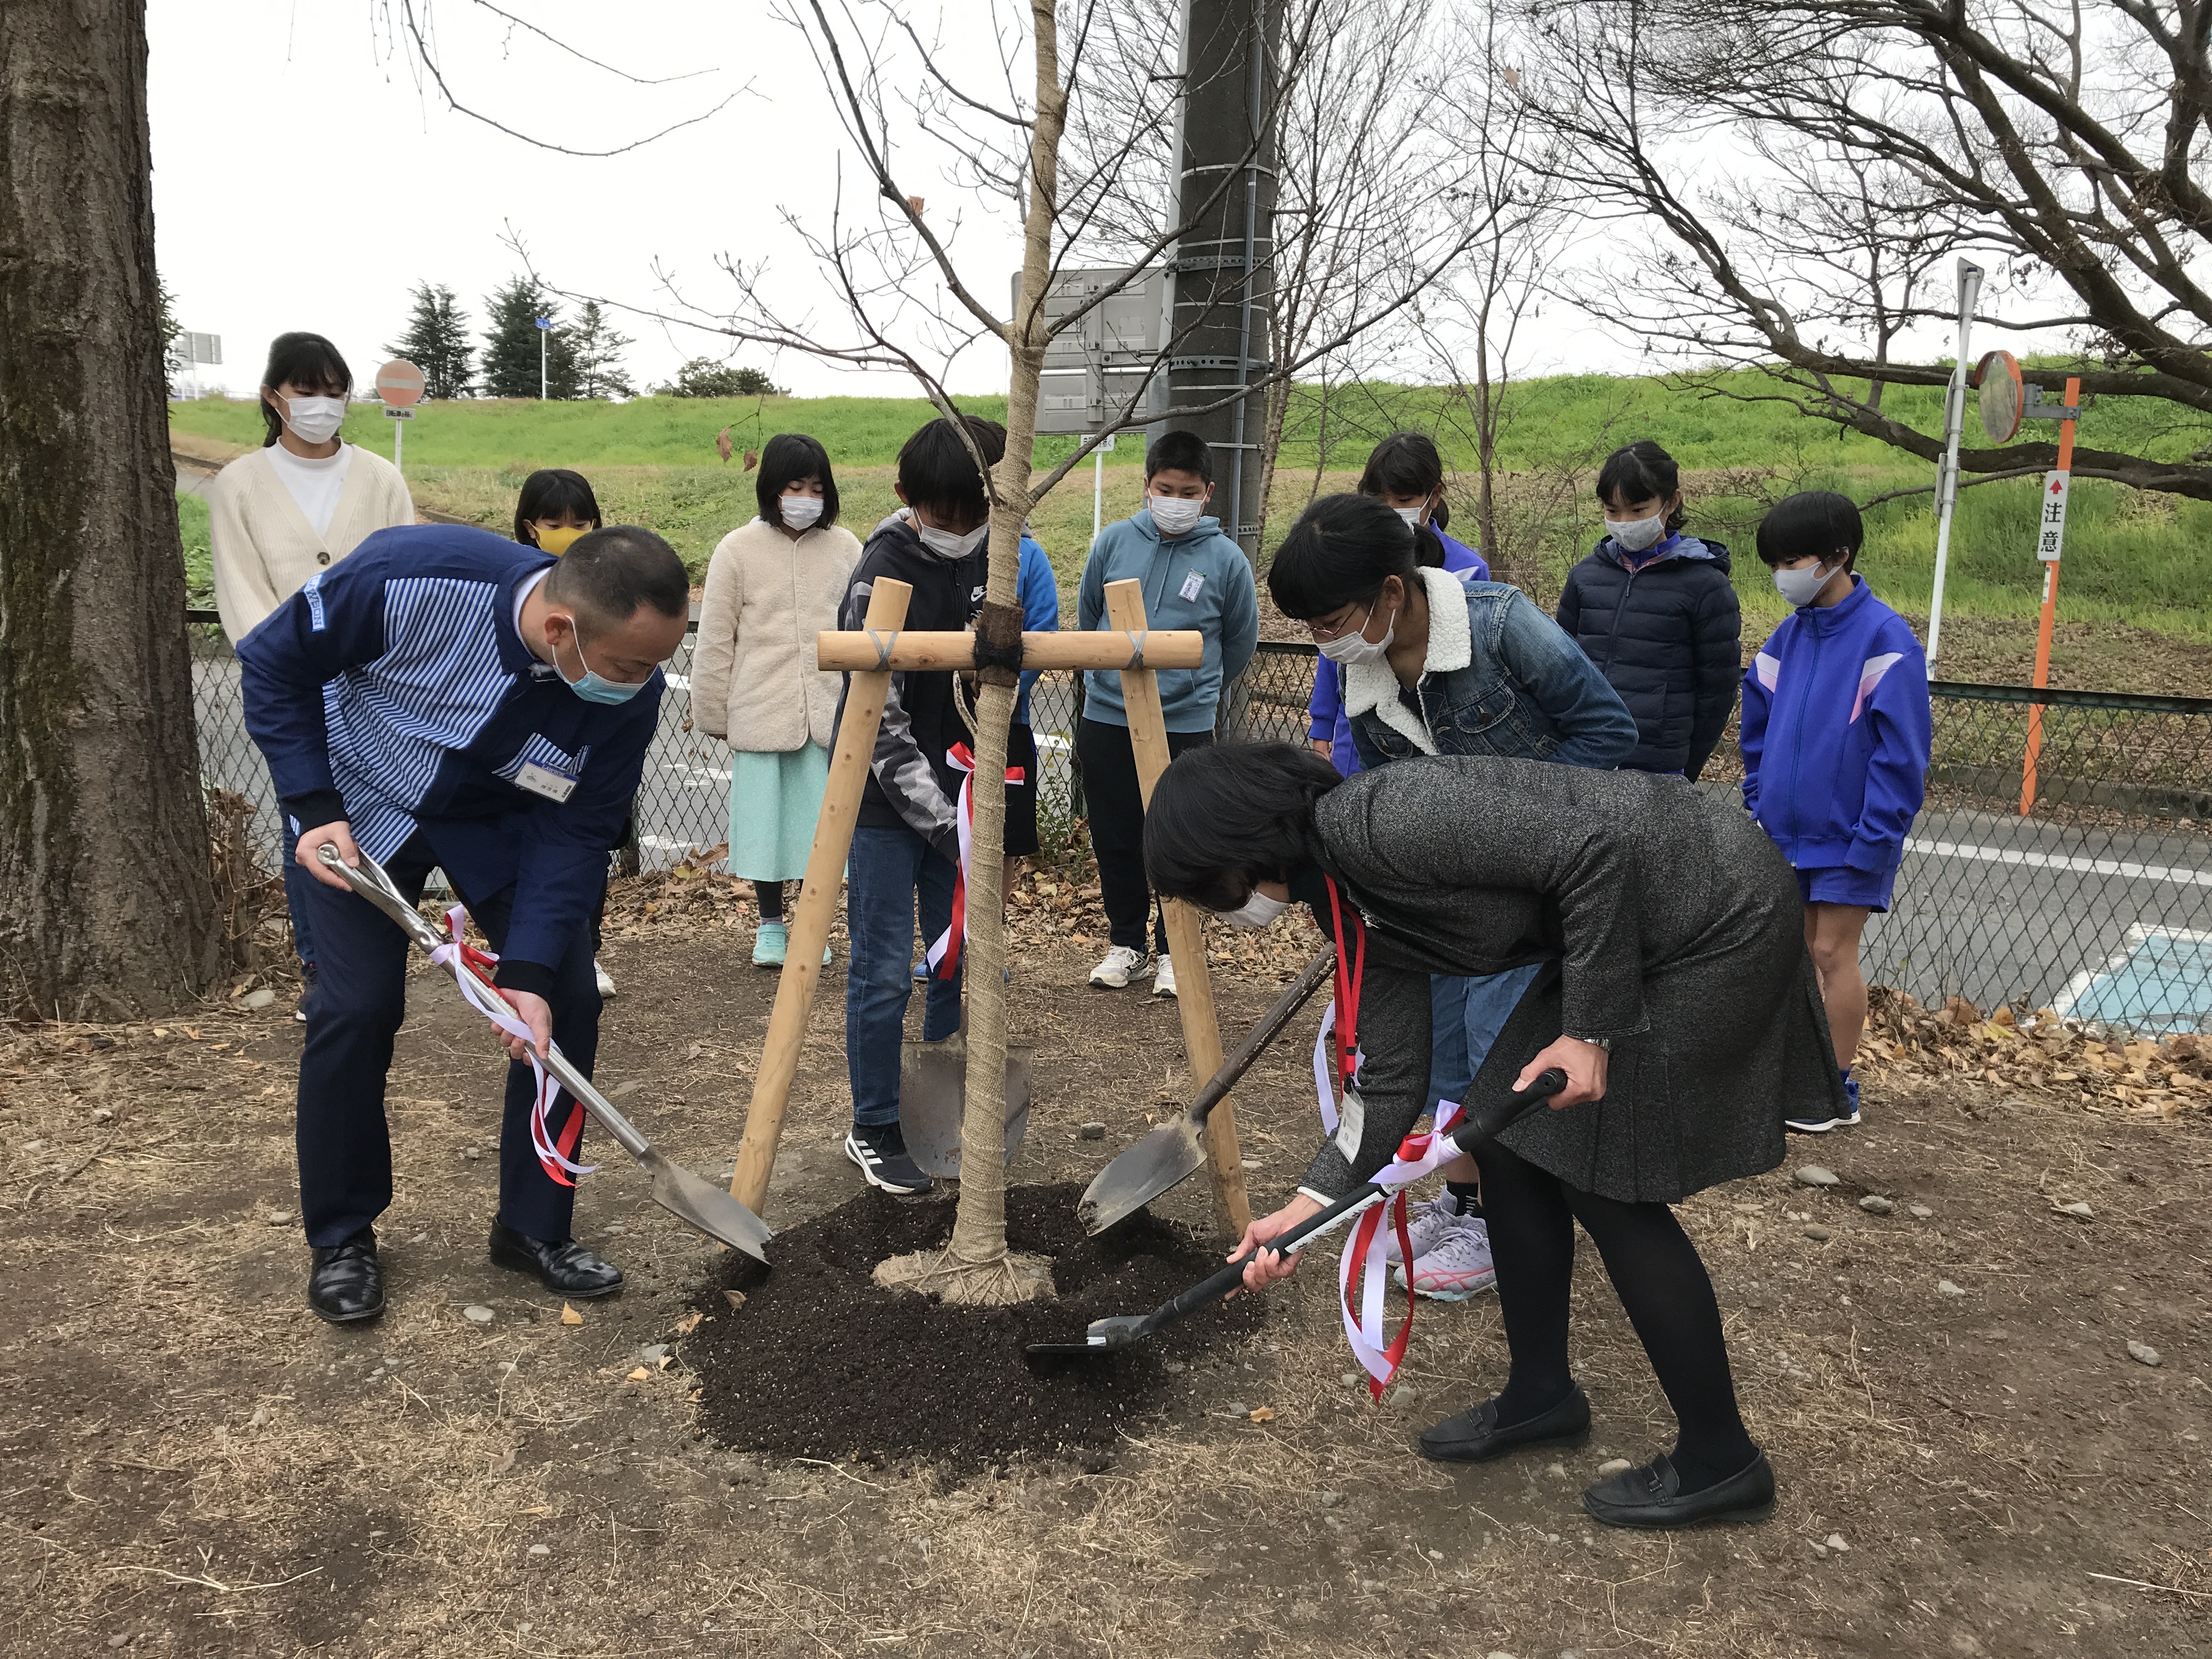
1835, 733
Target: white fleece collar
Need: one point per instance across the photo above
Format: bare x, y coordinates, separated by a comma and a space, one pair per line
1371, 685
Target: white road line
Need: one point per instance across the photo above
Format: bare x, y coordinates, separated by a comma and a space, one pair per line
1952, 850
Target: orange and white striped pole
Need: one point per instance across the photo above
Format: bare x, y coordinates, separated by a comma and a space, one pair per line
2050, 540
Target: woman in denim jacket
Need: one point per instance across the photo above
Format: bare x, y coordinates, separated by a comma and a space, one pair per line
1432, 665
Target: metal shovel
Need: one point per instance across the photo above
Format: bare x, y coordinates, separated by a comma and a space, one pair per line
695, 1202
1106, 1336
1176, 1149
933, 1099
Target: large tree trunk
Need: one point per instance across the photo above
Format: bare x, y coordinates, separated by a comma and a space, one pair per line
106, 901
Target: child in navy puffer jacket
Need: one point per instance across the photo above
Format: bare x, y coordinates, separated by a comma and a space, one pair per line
1835, 735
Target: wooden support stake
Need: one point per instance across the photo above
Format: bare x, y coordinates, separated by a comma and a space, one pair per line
816, 909
1201, 1028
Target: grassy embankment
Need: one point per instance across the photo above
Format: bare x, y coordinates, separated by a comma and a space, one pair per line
2132, 558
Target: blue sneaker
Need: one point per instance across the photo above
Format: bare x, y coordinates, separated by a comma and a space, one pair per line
1821, 1126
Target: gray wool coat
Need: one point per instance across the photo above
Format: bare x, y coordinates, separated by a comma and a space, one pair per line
1665, 920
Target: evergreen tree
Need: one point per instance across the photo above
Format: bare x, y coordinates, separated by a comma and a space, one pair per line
702, 377
511, 344
437, 341
598, 348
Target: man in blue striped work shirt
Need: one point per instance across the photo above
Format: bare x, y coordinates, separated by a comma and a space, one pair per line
447, 697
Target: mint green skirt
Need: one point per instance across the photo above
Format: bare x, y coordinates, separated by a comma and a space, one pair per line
774, 802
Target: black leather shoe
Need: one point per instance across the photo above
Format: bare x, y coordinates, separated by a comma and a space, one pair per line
1653, 1497
1473, 1437
562, 1265
347, 1282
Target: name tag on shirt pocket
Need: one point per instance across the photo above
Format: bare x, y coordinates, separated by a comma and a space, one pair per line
546, 781
1192, 586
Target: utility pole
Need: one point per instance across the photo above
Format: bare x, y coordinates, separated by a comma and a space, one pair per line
1222, 282
545, 333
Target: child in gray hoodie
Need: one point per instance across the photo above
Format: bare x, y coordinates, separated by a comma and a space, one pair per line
1194, 577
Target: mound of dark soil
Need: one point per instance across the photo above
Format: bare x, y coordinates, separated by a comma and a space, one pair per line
822, 1362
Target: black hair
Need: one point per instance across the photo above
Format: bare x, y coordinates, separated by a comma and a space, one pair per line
549, 493
607, 576
1818, 522
1340, 552
301, 360
1230, 814
1409, 464
1641, 472
791, 458
1179, 452
937, 472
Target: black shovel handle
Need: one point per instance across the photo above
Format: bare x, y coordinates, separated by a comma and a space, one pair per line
1474, 1133
1269, 1028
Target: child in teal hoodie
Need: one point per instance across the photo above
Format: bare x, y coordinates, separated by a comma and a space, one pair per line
1194, 577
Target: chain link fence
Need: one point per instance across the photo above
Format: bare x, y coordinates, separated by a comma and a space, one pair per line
2096, 901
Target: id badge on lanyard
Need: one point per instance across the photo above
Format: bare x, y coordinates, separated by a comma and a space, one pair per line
550, 781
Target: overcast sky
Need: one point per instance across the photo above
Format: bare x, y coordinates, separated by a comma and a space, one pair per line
304, 177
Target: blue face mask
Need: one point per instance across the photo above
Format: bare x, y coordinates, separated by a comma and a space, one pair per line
594, 688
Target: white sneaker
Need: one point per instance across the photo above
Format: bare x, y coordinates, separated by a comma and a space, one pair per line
1425, 1225
606, 979
1163, 977
1120, 966
1457, 1266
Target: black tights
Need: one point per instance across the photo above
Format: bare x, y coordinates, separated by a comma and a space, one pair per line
1660, 1282
770, 894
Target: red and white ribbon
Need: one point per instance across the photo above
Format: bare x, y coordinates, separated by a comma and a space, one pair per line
943, 954
1418, 1155
471, 972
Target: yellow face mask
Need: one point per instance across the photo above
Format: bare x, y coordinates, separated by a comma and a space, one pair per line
558, 542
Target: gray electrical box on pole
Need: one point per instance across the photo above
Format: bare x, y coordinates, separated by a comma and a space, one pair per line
1222, 285
1093, 369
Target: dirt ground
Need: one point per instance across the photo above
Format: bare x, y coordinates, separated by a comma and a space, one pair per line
196, 1465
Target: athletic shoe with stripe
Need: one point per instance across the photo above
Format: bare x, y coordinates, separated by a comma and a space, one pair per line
1425, 1225
1458, 1265
1821, 1126
880, 1150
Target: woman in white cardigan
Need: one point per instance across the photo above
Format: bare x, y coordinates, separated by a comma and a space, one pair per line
303, 500
771, 586
294, 507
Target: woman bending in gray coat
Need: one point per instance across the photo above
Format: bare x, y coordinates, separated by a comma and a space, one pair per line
1673, 991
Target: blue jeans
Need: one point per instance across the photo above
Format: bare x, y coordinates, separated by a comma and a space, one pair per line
1466, 1015
885, 870
297, 881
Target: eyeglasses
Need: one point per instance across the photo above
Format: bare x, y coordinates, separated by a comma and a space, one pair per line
1324, 632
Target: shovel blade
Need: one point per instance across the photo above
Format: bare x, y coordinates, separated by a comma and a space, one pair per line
1171, 1153
699, 1203
933, 1101
1103, 1336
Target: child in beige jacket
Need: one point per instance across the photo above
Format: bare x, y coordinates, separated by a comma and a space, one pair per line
771, 586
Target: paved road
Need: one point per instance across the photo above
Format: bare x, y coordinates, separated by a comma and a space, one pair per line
2111, 925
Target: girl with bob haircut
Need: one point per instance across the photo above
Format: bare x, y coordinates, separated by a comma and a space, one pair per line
1655, 610
1669, 983
1845, 679
287, 512
554, 508
771, 586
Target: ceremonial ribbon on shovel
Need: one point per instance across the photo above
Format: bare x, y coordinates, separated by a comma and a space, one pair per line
471, 969
944, 954
1418, 1155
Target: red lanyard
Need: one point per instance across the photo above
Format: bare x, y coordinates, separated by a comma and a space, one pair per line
1348, 974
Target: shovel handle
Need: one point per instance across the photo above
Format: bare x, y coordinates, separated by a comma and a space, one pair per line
1269, 1028
1467, 1137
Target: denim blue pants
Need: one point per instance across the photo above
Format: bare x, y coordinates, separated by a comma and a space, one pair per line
886, 871
1468, 1014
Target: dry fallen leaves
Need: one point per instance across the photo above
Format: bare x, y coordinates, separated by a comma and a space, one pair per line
688, 1323
735, 1298
1263, 1415
638, 1375
569, 1316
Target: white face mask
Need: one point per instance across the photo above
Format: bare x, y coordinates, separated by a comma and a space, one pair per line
314, 420
799, 511
948, 545
1411, 515
1801, 588
1352, 647
1636, 535
1256, 911
1174, 516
